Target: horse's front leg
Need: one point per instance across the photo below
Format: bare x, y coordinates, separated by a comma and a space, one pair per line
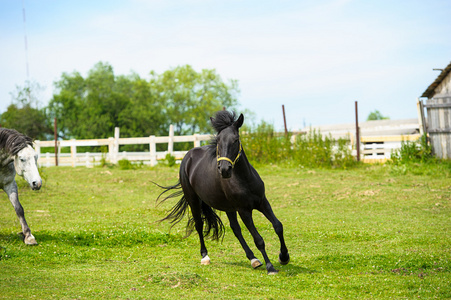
255, 263
265, 208
246, 216
13, 195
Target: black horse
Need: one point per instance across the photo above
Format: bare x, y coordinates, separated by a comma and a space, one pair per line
219, 177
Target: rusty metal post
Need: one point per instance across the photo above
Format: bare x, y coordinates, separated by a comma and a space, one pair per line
56, 142
357, 133
284, 120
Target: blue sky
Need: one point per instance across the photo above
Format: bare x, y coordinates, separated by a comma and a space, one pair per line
315, 57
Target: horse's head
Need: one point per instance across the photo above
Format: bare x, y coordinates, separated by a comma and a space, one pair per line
228, 149
25, 163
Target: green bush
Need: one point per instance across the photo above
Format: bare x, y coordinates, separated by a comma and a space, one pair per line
312, 150
416, 158
104, 163
263, 146
315, 150
411, 152
169, 160
125, 164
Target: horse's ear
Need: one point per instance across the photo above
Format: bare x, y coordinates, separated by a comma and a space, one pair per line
238, 123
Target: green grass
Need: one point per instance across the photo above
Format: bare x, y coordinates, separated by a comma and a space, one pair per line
366, 233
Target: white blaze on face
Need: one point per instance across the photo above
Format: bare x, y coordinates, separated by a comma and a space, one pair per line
25, 163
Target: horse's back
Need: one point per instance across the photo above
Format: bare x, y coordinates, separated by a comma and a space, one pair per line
196, 163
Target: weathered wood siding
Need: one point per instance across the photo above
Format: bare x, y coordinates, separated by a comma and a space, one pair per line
439, 125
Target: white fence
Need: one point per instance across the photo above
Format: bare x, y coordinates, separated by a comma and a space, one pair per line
380, 148
113, 155
373, 148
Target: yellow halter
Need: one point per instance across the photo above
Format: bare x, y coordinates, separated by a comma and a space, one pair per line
219, 158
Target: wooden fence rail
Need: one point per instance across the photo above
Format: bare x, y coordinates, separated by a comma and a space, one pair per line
380, 148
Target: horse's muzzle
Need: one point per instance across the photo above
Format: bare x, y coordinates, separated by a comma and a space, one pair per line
225, 169
36, 185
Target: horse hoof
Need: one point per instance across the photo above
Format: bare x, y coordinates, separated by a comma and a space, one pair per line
271, 270
30, 240
205, 260
256, 263
284, 261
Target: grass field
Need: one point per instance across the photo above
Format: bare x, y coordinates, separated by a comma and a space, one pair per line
370, 233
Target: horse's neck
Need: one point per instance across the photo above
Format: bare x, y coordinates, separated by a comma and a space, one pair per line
244, 165
5, 158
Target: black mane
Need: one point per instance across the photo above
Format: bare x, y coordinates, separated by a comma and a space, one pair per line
13, 141
222, 120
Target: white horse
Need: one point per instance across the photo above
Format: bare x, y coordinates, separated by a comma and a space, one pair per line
18, 156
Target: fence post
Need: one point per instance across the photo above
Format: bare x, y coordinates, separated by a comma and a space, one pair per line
111, 149
196, 140
421, 119
357, 133
57, 149
59, 153
284, 120
37, 148
73, 152
152, 150
116, 144
171, 139
113, 146
88, 163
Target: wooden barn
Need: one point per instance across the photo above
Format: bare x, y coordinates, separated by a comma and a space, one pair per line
438, 106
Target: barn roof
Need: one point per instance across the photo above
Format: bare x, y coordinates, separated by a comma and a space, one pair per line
429, 92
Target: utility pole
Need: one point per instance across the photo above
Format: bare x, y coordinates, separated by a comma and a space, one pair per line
284, 120
357, 133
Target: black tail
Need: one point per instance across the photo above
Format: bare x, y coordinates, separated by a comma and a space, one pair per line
213, 225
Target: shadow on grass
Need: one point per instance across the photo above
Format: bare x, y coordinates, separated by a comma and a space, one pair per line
289, 270
11, 238
100, 238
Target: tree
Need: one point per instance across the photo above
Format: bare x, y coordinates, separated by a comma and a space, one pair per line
143, 116
376, 115
190, 98
91, 107
24, 115
88, 108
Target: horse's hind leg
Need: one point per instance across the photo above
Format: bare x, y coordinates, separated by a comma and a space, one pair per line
11, 191
265, 208
246, 216
199, 225
237, 231
196, 210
